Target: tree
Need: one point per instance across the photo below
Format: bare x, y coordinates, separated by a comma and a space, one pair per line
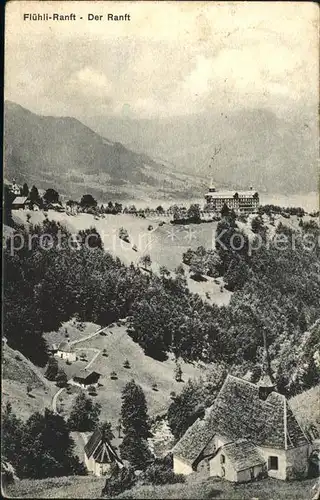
90, 238
164, 272
225, 211
178, 372
87, 201
51, 369
51, 196
8, 198
34, 196
146, 261
126, 364
194, 213
106, 431
25, 190
135, 450
120, 480
12, 431
124, 235
92, 390
135, 424
160, 209
84, 415
196, 268
47, 448
61, 378
41, 447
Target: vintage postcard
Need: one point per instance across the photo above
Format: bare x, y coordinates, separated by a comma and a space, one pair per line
161, 243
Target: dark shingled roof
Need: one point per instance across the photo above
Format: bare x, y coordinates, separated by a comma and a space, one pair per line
100, 449
243, 454
239, 413
87, 378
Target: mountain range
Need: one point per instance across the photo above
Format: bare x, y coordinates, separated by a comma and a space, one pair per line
65, 154
168, 158
275, 154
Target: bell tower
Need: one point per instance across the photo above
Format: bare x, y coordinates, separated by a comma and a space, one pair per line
266, 383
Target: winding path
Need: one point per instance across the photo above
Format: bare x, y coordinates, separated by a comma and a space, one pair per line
75, 342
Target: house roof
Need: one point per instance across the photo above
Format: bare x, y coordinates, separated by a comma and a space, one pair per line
20, 200
231, 194
87, 378
265, 381
100, 449
243, 454
65, 347
239, 413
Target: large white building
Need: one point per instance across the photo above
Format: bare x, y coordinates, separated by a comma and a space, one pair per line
239, 201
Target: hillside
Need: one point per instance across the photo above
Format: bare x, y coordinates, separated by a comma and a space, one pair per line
90, 487
275, 154
119, 347
18, 373
63, 153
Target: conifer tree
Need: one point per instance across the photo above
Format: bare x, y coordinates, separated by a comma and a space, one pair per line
136, 427
52, 369
85, 414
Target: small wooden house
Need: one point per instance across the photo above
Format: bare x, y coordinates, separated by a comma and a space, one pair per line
66, 351
99, 454
20, 203
85, 380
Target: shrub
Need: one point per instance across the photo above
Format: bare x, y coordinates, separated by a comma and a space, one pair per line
154, 387
92, 390
126, 364
160, 472
135, 248
150, 227
119, 481
104, 353
113, 376
123, 234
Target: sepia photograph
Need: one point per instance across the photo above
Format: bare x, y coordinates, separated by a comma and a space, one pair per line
161, 250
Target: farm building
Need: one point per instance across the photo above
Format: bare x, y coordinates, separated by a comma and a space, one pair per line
20, 203
85, 379
55, 206
99, 454
249, 432
65, 351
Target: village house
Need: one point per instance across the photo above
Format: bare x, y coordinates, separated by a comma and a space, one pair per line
20, 203
55, 206
85, 380
65, 351
249, 432
99, 454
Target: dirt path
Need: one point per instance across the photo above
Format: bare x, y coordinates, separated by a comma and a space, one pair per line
97, 351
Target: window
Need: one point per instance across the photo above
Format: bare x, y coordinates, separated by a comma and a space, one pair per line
273, 463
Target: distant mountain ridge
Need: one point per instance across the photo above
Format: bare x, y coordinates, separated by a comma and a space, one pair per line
274, 154
63, 153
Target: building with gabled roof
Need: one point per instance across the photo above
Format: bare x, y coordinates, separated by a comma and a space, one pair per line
85, 379
246, 421
99, 454
65, 351
20, 202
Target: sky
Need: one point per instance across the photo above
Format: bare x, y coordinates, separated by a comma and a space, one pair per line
170, 59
